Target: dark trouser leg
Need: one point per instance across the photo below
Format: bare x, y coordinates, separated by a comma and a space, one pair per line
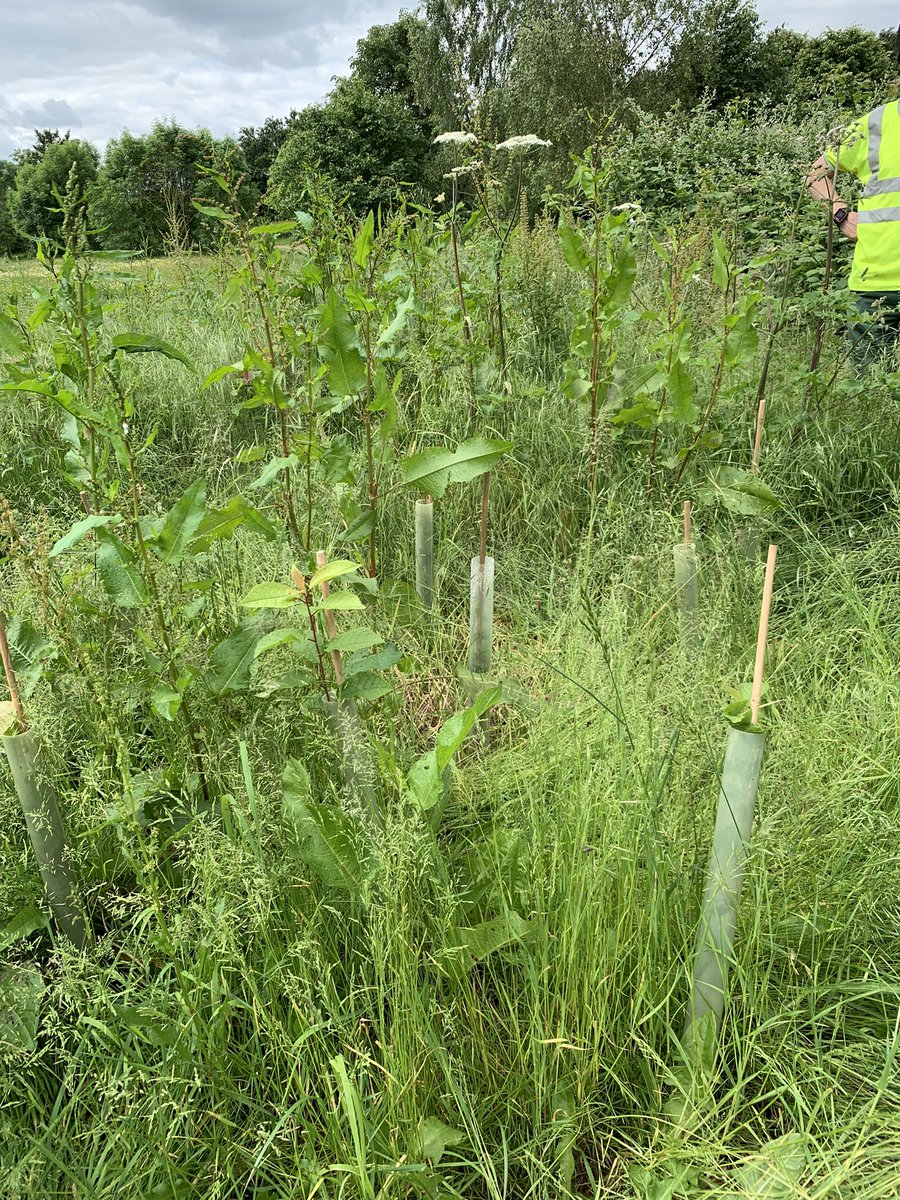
875, 336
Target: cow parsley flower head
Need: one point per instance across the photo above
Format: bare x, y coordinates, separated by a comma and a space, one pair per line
631, 206
465, 169
456, 138
522, 143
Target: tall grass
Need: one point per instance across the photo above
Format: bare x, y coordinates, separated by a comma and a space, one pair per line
242, 1031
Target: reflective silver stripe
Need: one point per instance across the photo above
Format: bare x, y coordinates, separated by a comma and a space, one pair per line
874, 216
881, 187
875, 118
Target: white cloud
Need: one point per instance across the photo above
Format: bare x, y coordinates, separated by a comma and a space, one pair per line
105, 65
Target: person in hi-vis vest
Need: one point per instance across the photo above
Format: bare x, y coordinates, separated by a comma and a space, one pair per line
869, 148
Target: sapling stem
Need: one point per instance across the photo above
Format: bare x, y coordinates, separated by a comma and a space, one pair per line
11, 683
299, 581
485, 512
330, 623
425, 551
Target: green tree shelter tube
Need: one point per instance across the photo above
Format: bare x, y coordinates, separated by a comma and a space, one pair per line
45, 828
481, 615
687, 593
724, 880
425, 551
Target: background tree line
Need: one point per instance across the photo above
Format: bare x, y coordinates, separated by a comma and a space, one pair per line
570, 71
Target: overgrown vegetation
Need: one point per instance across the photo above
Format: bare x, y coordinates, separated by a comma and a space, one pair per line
325, 960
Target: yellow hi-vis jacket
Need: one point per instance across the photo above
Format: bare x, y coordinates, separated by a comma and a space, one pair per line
870, 150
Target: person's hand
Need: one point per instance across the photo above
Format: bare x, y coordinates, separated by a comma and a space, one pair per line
848, 229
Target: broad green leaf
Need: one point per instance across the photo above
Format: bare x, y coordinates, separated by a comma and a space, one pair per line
271, 595
740, 492
366, 685
346, 366
621, 280
480, 941
435, 1137
71, 539
721, 260
26, 922
230, 661
431, 471
287, 636
165, 701
181, 523
118, 571
12, 341
354, 639
29, 653
681, 388
426, 778
272, 470
389, 335
365, 240
212, 210
221, 372
333, 570
330, 842
146, 343
575, 252
741, 342
275, 227
224, 522
21, 993
339, 602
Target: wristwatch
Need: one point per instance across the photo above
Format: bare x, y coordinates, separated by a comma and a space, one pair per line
840, 216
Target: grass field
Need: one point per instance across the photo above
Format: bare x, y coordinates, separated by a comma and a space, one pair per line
484, 998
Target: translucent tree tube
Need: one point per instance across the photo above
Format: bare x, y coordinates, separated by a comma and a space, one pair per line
425, 551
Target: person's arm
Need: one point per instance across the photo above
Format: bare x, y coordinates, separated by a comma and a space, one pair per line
820, 183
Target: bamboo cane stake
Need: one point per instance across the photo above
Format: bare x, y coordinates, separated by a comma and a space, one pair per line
756, 691
687, 522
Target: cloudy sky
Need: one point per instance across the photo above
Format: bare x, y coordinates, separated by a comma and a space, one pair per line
98, 66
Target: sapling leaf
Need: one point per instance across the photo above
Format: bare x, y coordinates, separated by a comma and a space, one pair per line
79, 530
433, 470
224, 522
230, 661
180, 524
221, 372
330, 841
480, 941
333, 570
365, 240
212, 210
286, 636
354, 639
118, 571
339, 602
146, 343
271, 595
575, 252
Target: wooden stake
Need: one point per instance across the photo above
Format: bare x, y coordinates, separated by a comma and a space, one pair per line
11, 677
756, 693
757, 441
687, 522
330, 623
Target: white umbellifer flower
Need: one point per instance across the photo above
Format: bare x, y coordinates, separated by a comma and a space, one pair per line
466, 169
458, 138
521, 143
629, 207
